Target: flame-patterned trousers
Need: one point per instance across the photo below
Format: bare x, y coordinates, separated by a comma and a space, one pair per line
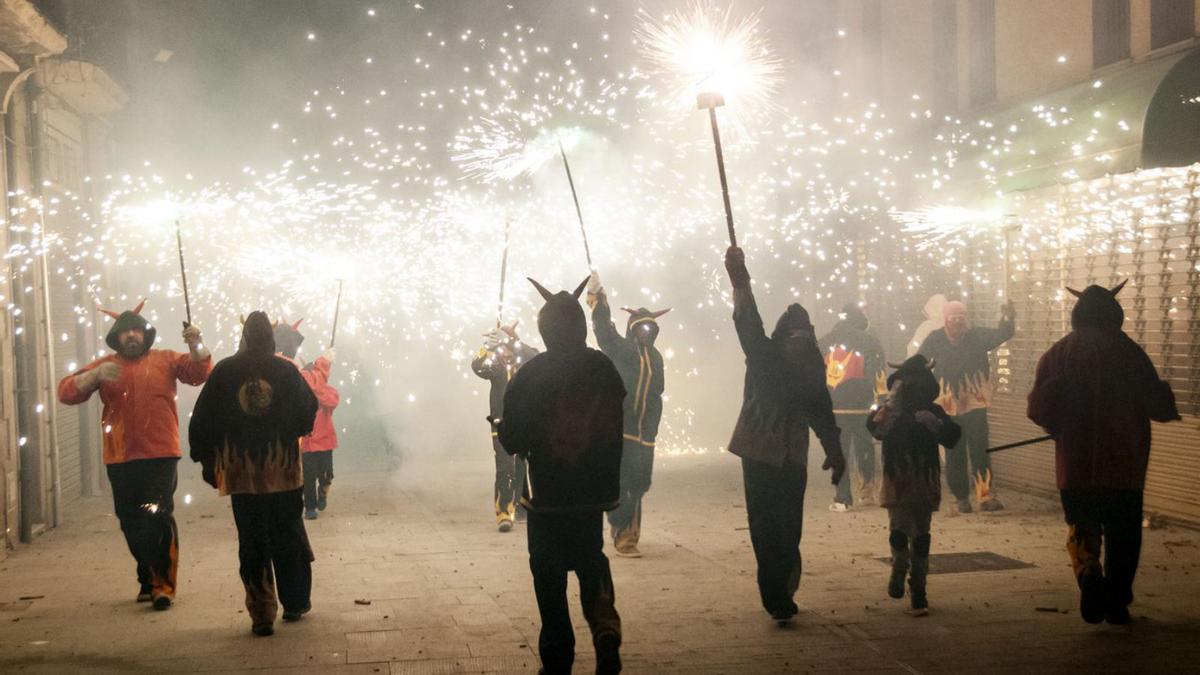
274, 552
1105, 524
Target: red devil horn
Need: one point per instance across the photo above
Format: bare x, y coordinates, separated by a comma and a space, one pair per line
140, 305
546, 295
296, 326
627, 309
895, 366
1074, 292
582, 285
109, 312
1117, 289
655, 315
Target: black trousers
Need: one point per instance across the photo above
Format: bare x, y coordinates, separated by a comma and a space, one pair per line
775, 508
971, 451
1109, 521
510, 482
273, 547
144, 501
861, 445
559, 543
318, 471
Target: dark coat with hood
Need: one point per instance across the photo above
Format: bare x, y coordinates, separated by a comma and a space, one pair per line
498, 369
1096, 391
640, 366
562, 413
963, 369
911, 462
248, 422
783, 397
853, 361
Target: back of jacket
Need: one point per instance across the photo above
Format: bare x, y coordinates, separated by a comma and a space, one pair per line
562, 412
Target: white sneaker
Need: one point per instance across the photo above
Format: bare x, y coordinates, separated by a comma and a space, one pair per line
838, 507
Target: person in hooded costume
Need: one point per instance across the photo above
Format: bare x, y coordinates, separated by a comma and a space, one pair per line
502, 355
784, 396
141, 439
912, 427
1096, 391
245, 432
641, 367
932, 311
854, 362
316, 448
960, 352
562, 413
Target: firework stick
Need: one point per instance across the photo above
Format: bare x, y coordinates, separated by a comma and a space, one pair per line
711, 102
578, 212
503, 272
187, 302
1018, 444
337, 307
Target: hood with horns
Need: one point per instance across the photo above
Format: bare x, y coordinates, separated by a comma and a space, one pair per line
643, 316
128, 320
561, 321
1098, 307
288, 338
921, 388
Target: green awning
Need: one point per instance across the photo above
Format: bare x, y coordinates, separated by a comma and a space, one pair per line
1140, 117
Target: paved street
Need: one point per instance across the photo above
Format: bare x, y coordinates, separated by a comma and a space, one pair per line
447, 594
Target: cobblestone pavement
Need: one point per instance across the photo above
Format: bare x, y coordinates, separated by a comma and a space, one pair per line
448, 594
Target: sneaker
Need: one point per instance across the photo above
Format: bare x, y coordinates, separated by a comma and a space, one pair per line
310, 514
1091, 596
917, 611
162, 602
992, 504
505, 525
264, 630
1118, 615
608, 655
297, 615
322, 502
838, 507
785, 615
964, 506
145, 593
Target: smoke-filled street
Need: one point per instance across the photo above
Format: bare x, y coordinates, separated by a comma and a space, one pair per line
448, 594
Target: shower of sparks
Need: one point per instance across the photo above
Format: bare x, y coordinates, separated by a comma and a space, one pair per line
707, 50
932, 225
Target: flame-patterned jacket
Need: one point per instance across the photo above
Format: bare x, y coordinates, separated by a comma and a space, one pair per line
963, 369
854, 364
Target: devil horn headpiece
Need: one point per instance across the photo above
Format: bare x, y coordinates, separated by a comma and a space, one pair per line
929, 363
582, 285
1117, 289
645, 312
546, 295
116, 315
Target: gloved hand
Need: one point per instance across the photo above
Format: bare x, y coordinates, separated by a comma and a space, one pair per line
109, 371
494, 339
835, 460
1008, 311
735, 265
329, 355
195, 342
928, 420
594, 289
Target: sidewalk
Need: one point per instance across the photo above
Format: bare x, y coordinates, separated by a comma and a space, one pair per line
448, 594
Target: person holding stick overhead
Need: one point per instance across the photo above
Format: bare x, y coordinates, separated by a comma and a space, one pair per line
137, 385
641, 367
784, 396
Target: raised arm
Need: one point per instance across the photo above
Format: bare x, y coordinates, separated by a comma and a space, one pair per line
194, 367
991, 338
746, 318
610, 341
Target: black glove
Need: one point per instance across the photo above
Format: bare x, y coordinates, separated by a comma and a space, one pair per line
735, 265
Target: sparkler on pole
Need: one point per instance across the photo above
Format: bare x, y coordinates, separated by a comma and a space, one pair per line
337, 306
578, 212
187, 303
503, 272
712, 101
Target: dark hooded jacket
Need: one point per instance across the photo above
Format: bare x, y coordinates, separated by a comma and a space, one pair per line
782, 398
854, 362
562, 413
248, 422
641, 369
963, 369
911, 463
1096, 391
488, 365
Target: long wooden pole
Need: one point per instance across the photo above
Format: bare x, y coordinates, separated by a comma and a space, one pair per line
578, 212
337, 308
503, 272
187, 303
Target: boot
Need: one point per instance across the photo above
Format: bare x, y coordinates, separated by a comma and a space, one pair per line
1083, 546
917, 575
900, 562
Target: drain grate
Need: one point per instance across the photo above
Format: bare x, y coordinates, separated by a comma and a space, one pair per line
981, 561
